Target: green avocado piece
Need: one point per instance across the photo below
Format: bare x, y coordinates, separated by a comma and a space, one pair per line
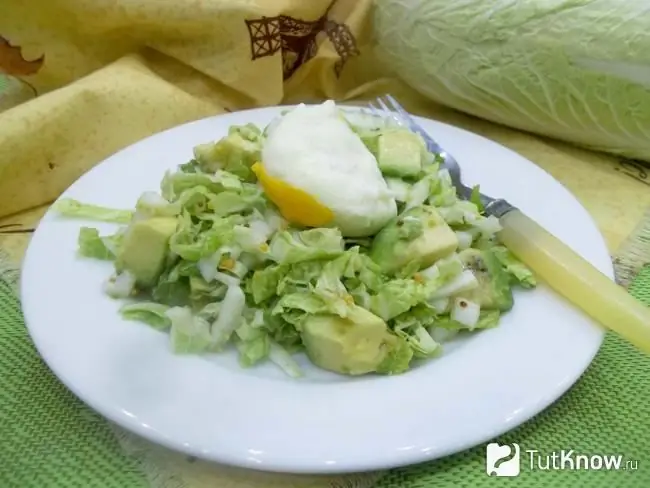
392, 248
493, 291
399, 153
354, 345
232, 153
144, 249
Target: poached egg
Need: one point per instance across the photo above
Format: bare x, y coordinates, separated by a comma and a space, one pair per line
319, 173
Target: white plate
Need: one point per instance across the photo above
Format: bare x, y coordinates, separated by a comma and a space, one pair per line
211, 408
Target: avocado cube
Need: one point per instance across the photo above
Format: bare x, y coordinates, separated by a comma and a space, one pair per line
399, 153
144, 249
437, 240
354, 345
232, 153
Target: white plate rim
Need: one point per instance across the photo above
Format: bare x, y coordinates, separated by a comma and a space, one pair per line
280, 463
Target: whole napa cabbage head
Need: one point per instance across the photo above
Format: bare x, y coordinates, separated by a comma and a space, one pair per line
576, 70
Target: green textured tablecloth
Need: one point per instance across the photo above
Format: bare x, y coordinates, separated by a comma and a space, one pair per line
48, 438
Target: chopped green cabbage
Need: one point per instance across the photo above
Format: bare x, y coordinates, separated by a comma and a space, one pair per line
92, 245
288, 247
232, 271
235, 153
517, 270
69, 207
396, 297
398, 359
154, 314
190, 334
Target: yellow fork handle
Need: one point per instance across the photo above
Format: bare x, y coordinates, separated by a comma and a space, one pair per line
575, 279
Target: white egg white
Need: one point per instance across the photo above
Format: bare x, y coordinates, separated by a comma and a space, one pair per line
313, 148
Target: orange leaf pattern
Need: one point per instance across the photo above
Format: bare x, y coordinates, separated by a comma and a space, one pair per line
12, 61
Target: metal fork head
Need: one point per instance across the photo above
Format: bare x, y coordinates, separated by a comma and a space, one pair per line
391, 108
388, 107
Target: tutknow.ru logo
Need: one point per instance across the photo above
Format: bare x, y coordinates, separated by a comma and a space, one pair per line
506, 460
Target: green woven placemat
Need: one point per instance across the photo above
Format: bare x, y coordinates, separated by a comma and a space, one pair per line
48, 438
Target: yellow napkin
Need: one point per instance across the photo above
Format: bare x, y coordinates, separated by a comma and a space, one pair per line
111, 72
102, 74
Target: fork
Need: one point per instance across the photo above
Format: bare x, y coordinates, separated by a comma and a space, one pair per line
549, 258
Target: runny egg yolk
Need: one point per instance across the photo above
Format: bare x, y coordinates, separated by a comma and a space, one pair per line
295, 205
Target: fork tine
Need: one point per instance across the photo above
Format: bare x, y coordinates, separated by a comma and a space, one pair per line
383, 105
375, 111
398, 107
385, 112
400, 114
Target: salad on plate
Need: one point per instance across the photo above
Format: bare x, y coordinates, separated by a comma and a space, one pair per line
320, 233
